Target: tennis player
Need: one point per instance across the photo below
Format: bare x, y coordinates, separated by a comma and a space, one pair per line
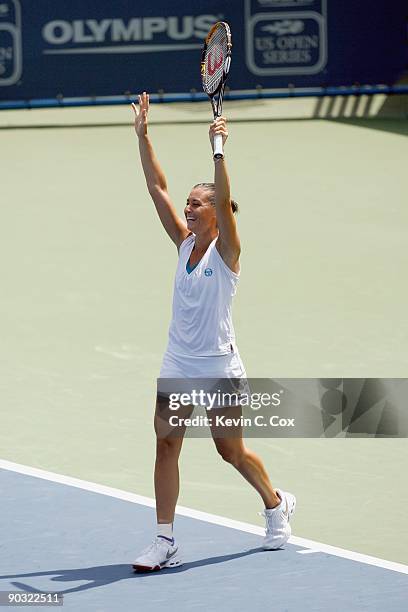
201, 336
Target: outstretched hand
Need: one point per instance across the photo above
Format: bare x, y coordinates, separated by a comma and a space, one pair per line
141, 114
218, 126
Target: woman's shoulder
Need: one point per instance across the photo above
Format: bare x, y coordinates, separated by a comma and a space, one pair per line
188, 241
223, 262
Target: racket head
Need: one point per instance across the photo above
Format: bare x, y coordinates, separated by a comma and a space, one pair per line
216, 58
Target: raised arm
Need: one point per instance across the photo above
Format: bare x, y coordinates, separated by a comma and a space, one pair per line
155, 179
228, 243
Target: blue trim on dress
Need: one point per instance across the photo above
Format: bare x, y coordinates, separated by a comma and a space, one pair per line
189, 268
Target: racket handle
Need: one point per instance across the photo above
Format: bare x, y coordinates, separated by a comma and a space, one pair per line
218, 151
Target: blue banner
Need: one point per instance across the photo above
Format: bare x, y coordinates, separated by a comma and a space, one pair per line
86, 48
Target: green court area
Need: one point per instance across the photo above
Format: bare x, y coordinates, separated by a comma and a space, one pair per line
87, 275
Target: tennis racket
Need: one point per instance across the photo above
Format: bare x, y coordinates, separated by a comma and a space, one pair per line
215, 65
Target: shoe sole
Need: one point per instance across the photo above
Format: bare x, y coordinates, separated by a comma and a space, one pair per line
170, 564
293, 506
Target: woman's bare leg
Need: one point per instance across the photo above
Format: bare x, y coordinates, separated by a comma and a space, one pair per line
166, 470
248, 463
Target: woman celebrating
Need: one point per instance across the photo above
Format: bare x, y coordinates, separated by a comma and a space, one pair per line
201, 336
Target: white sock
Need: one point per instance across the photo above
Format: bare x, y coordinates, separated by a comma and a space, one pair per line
165, 530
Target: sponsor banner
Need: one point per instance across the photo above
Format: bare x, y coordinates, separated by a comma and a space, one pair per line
286, 38
10, 42
283, 408
85, 48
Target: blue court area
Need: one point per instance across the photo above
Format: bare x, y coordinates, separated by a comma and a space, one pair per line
79, 543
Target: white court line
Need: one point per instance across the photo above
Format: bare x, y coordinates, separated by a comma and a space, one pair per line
307, 551
310, 545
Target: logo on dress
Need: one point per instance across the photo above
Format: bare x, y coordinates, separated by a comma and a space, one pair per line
208, 272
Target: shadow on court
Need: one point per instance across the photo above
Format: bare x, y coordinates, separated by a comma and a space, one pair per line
102, 575
394, 126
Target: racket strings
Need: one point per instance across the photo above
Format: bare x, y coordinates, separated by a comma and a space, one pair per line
215, 57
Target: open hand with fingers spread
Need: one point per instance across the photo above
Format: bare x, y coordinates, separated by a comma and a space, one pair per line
141, 114
219, 126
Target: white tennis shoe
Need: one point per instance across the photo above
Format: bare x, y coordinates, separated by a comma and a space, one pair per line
277, 529
160, 554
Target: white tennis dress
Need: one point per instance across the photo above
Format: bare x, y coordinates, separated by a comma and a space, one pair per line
201, 336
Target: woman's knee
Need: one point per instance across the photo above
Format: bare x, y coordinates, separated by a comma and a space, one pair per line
231, 453
167, 448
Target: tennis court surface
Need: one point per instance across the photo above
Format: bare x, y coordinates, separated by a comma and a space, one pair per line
83, 328
64, 538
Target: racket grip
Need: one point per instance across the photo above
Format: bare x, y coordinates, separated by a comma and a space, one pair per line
218, 150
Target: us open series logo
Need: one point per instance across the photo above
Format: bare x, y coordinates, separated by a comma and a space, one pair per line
286, 37
10, 42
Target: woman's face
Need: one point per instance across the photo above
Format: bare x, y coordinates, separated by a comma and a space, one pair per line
199, 212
